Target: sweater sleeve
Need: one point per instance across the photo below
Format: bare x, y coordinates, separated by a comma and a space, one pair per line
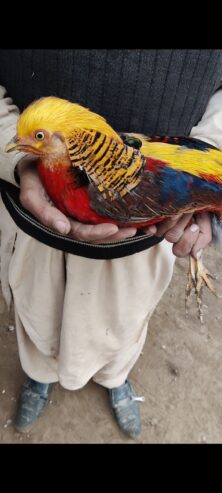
209, 128
9, 114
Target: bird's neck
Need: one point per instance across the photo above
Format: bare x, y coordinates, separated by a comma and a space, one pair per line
56, 160
112, 166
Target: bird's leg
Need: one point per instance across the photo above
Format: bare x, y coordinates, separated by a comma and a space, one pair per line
198, 277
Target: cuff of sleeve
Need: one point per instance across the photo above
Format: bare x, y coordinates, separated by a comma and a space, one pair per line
8, 166
209, 128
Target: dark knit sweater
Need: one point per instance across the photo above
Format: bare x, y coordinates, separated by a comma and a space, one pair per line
150, 91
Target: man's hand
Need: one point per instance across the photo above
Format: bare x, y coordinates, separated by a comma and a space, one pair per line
187, 237
35, 199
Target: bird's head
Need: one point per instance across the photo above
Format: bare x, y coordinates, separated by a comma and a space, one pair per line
46, 124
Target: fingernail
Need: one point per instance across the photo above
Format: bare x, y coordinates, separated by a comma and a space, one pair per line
194, 228
62, 227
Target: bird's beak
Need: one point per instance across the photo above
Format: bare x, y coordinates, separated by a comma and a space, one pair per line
12, 145
17, 144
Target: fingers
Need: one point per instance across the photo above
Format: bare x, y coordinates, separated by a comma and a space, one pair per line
34, 198
100, 233
187, 238
186, 242
47, 214
150, 230
195, 236
88, 232
173, 228
122, 234
205, 233
161, 228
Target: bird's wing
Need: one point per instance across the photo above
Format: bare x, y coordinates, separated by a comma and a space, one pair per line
181, 175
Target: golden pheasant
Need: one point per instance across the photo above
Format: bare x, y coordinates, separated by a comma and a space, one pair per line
96, 175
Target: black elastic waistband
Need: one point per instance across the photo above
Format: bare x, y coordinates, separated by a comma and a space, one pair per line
30, 225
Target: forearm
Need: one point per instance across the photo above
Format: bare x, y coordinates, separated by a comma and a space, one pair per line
209, 128
9, 114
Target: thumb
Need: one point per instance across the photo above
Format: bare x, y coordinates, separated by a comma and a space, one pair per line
54, 219
35, 200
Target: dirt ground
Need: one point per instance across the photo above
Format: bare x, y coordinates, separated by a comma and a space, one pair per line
179, 373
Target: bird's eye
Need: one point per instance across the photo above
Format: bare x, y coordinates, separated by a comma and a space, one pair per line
39, 135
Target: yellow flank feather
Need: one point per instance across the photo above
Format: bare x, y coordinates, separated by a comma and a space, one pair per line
191, 161
59, 115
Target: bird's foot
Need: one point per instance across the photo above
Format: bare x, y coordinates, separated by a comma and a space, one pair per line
198, 277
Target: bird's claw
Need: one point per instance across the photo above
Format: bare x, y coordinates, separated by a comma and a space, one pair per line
198, 277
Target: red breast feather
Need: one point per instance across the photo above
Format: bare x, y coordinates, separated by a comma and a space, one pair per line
72, 198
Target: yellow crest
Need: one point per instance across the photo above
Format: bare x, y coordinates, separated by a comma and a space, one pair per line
59, 115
